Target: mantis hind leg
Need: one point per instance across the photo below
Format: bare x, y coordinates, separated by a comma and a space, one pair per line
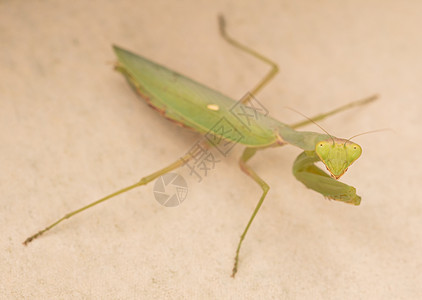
145, 180
247, 154
270, 75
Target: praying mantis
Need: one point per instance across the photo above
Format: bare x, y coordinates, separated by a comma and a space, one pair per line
195, 106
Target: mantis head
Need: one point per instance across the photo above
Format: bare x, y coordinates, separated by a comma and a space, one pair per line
337, 155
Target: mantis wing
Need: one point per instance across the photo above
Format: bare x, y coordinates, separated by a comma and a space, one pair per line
192, 104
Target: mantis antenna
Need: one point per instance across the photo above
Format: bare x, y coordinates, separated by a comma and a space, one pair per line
371, 131
298, 112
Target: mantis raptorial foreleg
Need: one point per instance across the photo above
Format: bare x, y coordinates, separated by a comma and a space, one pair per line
247, 154
145, 180
314, 178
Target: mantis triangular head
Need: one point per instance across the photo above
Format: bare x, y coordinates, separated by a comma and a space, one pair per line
337, 155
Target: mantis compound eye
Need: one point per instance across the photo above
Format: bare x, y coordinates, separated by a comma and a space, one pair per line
354, 151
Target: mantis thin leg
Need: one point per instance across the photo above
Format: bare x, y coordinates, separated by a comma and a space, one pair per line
247, 154
319, 117
231, 41
145, 180
274, 70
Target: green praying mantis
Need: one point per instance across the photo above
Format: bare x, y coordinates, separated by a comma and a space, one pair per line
195, 106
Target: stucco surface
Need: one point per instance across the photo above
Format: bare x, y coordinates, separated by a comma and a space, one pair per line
71, 131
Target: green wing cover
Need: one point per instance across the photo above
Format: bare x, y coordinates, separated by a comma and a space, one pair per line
194, 105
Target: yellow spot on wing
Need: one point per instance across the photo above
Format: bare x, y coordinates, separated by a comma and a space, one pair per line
214, 107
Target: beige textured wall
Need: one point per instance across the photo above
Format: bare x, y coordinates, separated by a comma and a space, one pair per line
72, 131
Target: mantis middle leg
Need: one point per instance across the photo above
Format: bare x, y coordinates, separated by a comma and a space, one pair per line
247, 154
